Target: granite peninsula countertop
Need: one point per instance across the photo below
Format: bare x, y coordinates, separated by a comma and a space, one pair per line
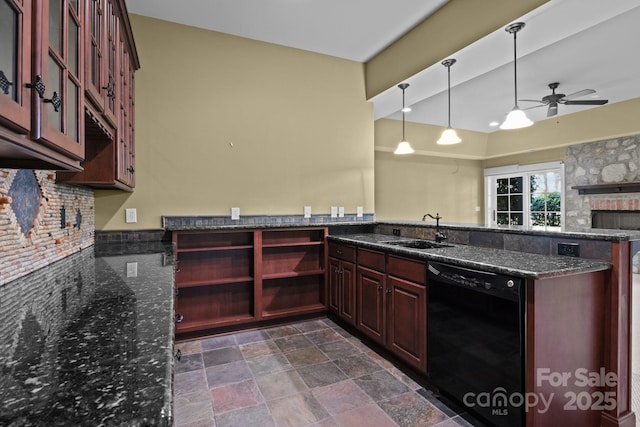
502, 261
88, 340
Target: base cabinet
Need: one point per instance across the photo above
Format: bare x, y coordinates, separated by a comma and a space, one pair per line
392, 304
342, 282
227, 278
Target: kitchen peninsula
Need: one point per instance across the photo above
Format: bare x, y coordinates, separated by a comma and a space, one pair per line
589, 292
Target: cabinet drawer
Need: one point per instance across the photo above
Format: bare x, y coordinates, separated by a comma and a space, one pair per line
371, 259
407, 269
344, 252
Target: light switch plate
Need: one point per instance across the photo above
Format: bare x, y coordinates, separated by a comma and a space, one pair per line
334, 211
131, 215
307, 211
341, 212
359, 212
235, 213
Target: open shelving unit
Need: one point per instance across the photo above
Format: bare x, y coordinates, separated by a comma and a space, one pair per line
228, 278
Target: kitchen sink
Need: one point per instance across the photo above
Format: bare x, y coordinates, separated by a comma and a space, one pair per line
417, 244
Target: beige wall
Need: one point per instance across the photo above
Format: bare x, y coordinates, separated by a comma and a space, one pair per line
223, 121
407, 187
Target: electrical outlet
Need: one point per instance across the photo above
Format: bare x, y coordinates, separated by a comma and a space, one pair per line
569, 249
334, 211
359, 211
132, 269
341, 212
307, 211
235, 213
396, 231
131, 215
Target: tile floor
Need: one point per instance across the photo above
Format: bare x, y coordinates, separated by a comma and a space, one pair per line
311, 373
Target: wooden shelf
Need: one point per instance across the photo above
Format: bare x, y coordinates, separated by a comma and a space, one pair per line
620, 187
307, 309
214, 248
210, 282
289, 274
292, 245
212, 323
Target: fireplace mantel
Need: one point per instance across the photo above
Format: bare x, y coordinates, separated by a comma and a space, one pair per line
614, 188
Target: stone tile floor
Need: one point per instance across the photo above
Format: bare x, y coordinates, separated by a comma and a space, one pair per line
311, 373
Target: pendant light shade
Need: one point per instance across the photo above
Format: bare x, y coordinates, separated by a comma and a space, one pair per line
516, 118
449, 136
403, 147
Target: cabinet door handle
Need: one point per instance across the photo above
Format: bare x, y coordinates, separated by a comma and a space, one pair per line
4, 83
179, 318
38, 85
55, 101
178, 355
379, 287
111, 93
388, 290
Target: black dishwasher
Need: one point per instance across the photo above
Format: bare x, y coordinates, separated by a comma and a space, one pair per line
475, 341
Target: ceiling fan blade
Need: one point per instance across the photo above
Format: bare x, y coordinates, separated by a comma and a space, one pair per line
535, 106
590, 102
578, 94
553, 110
533, 100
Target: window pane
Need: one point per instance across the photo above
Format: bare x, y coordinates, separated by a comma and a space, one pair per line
553, 219
503, 203
72, 61
55, 24
9, 45
516, 184
502, 186
554, 182
515, 203
503, 219
72, 110
516, 219
53, 86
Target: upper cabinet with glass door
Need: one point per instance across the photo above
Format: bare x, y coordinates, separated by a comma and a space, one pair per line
58, 80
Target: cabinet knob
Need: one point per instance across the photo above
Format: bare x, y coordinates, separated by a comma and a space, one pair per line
179, 318
131, 169
4, 83
388, 290
379, 287
178, 355
110, 88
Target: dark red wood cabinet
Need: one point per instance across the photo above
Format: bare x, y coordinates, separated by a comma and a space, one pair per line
228, 278
342, 281
67, 90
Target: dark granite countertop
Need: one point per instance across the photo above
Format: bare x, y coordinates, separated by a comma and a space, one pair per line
88, 340
583, 233
518, 264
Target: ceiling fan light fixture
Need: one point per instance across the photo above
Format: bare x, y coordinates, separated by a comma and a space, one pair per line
403, 147
516, 118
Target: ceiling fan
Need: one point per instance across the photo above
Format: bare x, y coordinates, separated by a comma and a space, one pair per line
560, 98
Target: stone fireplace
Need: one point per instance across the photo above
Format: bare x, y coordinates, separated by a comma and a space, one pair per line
606, 172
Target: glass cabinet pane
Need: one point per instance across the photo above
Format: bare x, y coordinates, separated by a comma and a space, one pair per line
73, 46
515, 203
9, 47
55, 24
515, 184
72, 110
53, 86
502, 186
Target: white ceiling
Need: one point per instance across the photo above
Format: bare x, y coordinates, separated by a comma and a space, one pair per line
582, 44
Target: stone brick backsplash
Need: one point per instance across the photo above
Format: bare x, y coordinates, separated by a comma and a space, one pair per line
41, 221
601, 162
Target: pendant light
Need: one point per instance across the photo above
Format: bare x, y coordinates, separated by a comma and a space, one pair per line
516, 118
449, 136
403, 147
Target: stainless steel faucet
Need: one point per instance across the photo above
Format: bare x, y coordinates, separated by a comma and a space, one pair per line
440, 237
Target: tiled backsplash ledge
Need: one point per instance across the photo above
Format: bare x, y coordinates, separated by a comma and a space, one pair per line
197, 222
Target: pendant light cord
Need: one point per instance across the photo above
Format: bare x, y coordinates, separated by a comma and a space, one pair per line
449, 94
403, 114
515, 68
